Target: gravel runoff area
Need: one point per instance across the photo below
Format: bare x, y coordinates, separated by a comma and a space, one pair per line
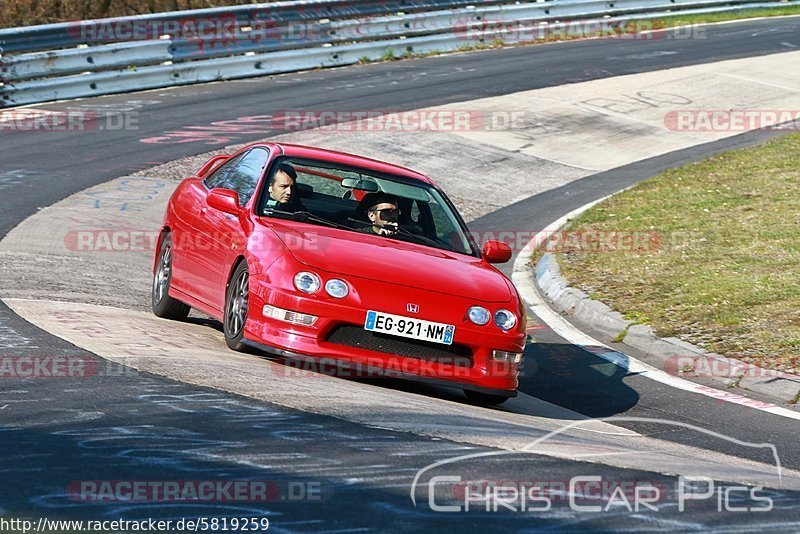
708, 253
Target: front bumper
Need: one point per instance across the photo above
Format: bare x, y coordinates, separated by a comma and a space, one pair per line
344, 369
311, 347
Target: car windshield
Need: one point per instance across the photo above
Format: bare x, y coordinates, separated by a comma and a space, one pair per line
332, 195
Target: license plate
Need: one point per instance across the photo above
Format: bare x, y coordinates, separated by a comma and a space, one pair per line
397, 325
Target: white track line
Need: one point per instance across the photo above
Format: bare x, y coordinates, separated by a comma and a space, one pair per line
523, 278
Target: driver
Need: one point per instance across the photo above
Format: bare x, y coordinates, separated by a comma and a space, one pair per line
383, 212
282, 189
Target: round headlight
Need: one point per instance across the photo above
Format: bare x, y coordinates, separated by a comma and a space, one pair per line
505, 319
336, 288
307, 282
478, 315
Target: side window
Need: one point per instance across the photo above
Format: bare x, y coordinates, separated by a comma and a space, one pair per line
442, 224
244, 177
219, 176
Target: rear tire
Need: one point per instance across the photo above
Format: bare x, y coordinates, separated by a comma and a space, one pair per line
484, 398
163, 305
236, 300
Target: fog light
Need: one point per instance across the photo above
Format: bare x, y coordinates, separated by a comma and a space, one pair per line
289, 316
505, 356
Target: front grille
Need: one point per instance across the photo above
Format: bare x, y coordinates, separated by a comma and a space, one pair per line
354, 336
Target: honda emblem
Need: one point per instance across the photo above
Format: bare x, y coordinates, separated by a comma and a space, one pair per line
412, 308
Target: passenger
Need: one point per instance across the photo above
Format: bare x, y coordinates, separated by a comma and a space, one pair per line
382, 211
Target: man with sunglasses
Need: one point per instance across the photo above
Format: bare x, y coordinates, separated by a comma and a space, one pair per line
383, 213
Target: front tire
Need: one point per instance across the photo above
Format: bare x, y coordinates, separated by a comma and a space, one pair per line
236, 301
163, 305
477, 397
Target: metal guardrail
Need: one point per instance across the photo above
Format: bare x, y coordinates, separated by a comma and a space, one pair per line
50, 36
87, 58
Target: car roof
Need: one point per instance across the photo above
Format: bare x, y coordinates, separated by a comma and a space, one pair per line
300, 151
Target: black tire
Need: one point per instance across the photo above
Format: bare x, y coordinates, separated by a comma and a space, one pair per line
477, 397
163, 305
236, 300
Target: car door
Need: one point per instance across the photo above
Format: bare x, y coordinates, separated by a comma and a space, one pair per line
200, 272
190, 198
220, 235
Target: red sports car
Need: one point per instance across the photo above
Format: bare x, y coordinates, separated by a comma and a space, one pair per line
328, 258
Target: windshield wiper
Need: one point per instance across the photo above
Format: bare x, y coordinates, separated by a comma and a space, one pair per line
305, 216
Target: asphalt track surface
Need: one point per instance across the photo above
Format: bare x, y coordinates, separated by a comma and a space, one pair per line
154, 428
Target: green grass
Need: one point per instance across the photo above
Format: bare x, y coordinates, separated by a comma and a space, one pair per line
680, 20
725, 272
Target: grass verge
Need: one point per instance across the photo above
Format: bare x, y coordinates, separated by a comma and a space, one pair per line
720, 265
682, 20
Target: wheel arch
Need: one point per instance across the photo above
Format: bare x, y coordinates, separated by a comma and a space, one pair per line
239, 259
161, 235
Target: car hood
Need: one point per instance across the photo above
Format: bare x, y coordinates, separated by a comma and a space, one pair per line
407, 264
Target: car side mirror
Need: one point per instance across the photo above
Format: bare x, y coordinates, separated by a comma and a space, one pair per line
496, 252
224, 200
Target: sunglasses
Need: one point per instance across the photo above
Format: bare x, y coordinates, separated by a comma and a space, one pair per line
387, 212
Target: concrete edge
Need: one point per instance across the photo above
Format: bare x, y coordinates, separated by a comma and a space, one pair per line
677, 357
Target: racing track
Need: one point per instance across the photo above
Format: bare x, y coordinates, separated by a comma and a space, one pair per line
141, 426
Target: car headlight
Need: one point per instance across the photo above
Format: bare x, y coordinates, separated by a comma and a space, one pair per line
505, 320
307, 282
336, 288
478, 315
